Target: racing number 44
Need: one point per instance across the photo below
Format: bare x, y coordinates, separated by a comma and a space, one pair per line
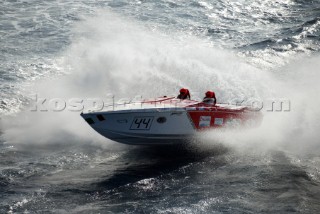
141, 123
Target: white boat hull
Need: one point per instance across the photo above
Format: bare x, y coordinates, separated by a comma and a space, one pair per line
167, 120
140, 127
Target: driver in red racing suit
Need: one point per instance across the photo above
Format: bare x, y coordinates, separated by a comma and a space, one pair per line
184, 94
210, 98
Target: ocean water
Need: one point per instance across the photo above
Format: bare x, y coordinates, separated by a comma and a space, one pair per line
53, 162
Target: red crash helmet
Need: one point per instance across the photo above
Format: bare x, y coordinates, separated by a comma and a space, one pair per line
183, 91
210, 94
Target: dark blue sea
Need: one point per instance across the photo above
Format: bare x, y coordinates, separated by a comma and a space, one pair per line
248, 51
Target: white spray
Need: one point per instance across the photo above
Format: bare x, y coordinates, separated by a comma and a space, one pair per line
111, 54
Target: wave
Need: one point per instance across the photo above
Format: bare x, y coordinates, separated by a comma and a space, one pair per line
111, 54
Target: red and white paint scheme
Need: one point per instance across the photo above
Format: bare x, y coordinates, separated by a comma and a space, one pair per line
167, 120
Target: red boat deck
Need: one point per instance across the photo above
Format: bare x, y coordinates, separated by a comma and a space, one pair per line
203, 115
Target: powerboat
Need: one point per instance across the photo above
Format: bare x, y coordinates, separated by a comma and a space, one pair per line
167, 120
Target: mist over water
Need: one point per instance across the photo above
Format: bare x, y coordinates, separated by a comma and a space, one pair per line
127, 59
54, 162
